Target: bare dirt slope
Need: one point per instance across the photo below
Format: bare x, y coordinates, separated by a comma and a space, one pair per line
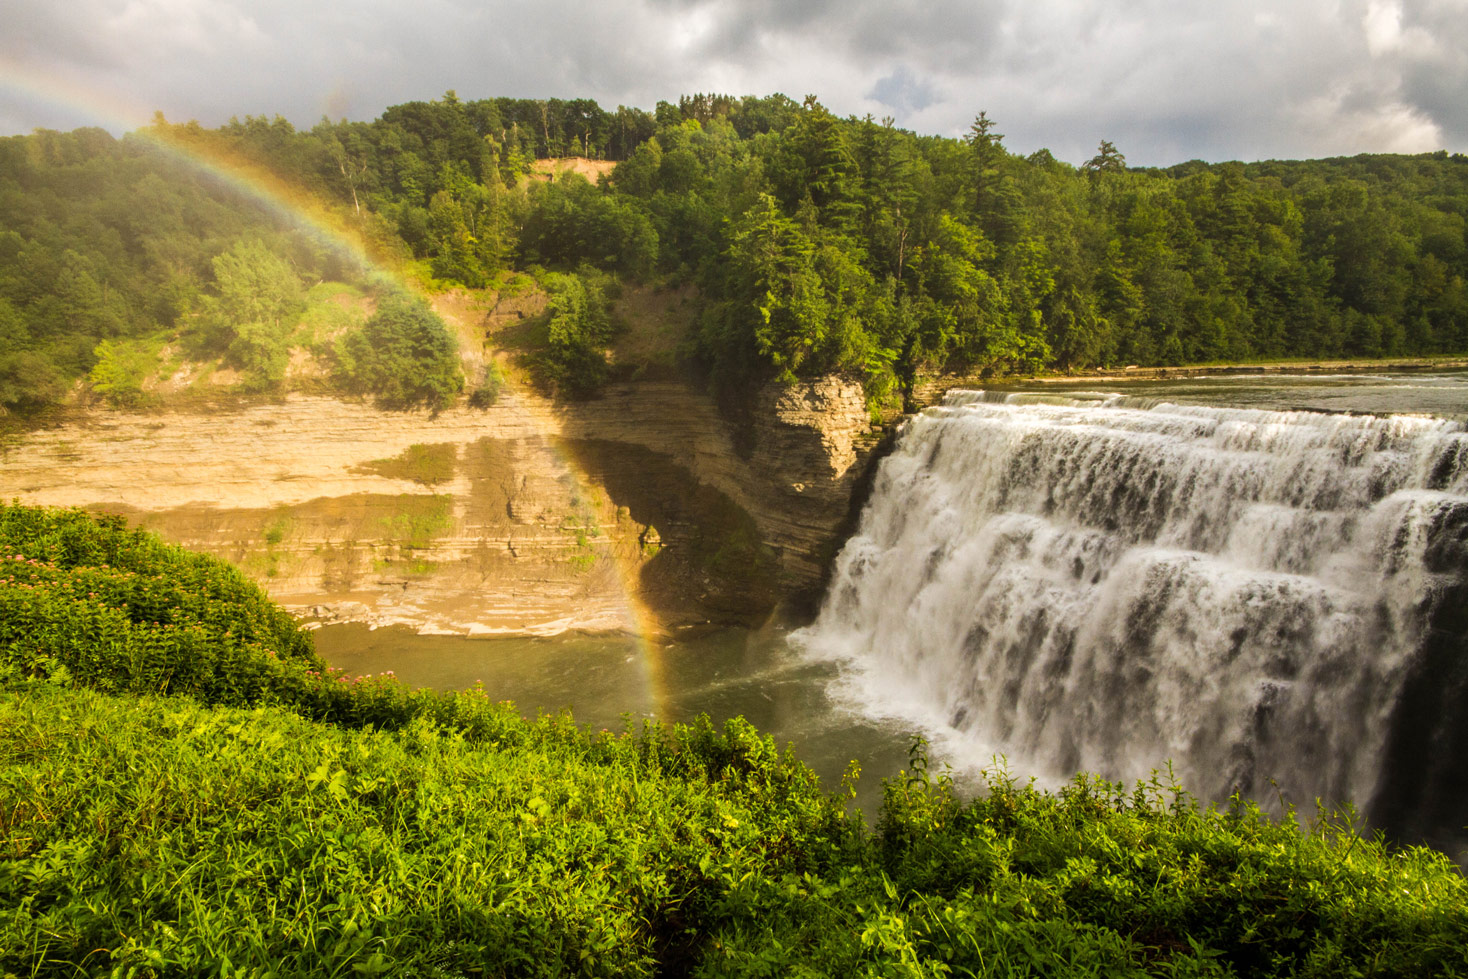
554, 167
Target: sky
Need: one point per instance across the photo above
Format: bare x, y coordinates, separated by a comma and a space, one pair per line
1164, 80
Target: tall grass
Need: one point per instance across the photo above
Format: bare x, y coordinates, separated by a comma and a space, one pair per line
185, 789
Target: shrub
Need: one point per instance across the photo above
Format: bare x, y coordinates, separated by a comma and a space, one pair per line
287, 818
121, 368
122, 611
487, 392
403, 356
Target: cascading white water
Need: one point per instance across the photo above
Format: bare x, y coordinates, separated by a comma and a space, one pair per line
1087, 585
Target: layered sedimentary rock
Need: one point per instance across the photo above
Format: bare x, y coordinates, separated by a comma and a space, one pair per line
633, 511
807, 445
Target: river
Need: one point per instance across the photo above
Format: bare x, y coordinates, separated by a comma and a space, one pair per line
608, 680
1243, 606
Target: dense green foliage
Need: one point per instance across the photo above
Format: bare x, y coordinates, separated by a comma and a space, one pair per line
257, 302
403, 356
292, 821
570, 222
486, 390
842, 244
121, 258
106, 242
578, 329
818, 243
120, 610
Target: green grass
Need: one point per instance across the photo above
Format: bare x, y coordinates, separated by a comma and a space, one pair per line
427, 465
419, 519
583, 527
276, 531
407, 565
257, 840
224, 804
419, 272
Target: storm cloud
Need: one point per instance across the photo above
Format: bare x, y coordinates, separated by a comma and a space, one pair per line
1164, 81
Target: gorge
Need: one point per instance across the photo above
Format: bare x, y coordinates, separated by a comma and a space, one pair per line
727, 539
1106, 580
632, 512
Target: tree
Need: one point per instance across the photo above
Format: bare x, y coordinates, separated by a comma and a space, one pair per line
258, 300
795, 298
889, 197
86, 304
403, 356
570, 223
350, 156
1078, 334
120, 371
818, 164
254, 285
638, 175
964, 315
28, 381
579, 329
262, 352
465, 226
988, 154
1108, 159
775, 288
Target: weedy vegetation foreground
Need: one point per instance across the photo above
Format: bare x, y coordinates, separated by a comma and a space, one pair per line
187, 789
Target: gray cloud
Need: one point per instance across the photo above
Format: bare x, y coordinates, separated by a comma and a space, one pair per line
1165, 81
1434, 64
903, 93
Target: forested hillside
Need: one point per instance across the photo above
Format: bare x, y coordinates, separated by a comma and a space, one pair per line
816, 243
123, 262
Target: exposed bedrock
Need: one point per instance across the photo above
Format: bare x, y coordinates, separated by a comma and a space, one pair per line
630, 512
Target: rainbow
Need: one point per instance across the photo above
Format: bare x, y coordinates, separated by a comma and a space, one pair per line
337, 228
108, 109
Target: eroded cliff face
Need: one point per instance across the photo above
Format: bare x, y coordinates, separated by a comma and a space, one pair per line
808, 445
631, 512
813, 440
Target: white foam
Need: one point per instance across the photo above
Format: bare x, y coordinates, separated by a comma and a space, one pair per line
1082, 585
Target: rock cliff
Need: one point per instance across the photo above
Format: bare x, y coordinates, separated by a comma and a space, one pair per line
633, 512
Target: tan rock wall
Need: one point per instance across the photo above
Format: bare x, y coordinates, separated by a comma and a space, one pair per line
526, 517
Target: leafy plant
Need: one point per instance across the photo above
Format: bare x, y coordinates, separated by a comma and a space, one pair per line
419, 519
404, 356
578, 330
425, 464
121, 369
487, 392
271, 814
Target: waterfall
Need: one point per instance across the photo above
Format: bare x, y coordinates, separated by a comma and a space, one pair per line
1107, 584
